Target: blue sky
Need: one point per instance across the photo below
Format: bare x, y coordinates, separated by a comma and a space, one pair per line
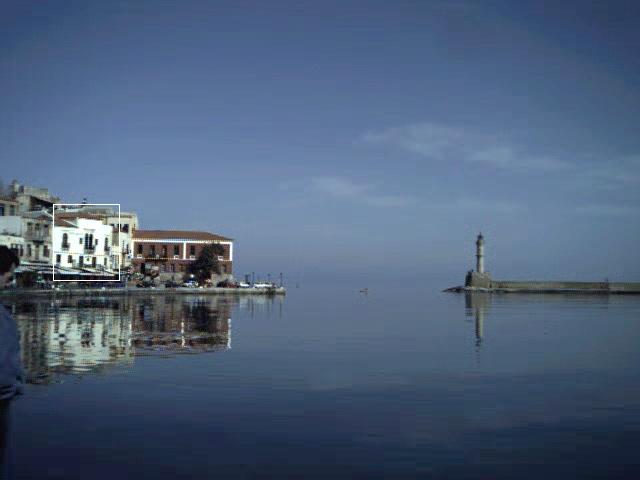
341, 138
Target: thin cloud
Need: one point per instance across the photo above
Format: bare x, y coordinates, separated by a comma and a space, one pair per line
339, 187
609, 210
446, 143
368, 194
619, 172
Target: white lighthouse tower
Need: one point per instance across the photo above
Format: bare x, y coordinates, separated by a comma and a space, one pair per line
480, 253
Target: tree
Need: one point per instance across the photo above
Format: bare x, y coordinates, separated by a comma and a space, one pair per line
207, 262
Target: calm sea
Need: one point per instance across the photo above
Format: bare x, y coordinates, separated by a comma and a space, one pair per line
402, 382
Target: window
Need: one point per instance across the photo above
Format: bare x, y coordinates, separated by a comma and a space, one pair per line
80, 240
28, 250
12, 210
81, 260
45, 250
164, 251
93, 262
173, 267
58, 259
192, 249
65, 240
70, 259
1, 210
21, 251
176, 250
153, 250
105, 262
139, 248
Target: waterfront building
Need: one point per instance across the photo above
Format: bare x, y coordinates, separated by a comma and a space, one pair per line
8, 206
36, 231
29, 199
11, 234
120, 238
25, 223
171, 251
82, 243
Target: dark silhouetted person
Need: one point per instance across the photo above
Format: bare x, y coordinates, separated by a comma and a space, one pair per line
11, 374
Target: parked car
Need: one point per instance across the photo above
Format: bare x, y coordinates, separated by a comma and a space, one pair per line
171, 284
227, 284
145, 284
190, 284
244, 285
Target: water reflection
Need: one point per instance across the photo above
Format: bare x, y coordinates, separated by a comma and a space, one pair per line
170, 324
88, 335
476, 306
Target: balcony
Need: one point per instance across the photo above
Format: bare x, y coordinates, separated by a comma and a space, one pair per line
89, 248
65, 246
37, 236
107, 248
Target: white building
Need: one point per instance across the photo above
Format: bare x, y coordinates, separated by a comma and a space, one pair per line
121, 243
83, 243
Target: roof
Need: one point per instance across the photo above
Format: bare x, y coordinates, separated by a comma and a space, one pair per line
8, 199
177, 235
90, 216
61, 222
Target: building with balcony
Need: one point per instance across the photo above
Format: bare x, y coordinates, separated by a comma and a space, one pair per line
36, 231
171, 251
121, 226
8, 206
83, 243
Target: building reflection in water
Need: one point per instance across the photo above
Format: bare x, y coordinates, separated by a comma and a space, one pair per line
88, 335
182, 324
476, 306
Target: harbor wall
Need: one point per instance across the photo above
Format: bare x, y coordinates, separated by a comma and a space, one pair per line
625, 287
484, 281
549, 285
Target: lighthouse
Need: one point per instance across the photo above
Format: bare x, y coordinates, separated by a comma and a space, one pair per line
480, 254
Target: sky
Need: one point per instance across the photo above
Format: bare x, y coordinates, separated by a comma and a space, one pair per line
340, 139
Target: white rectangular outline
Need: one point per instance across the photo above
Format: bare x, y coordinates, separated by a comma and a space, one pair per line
53, 251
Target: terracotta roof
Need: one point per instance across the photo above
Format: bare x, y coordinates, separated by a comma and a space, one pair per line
177, 235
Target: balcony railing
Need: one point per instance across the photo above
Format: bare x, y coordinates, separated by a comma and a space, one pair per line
65, 246
36, 235
89, 248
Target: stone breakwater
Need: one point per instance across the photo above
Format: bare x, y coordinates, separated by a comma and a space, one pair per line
144, 291
479, 280
503, 286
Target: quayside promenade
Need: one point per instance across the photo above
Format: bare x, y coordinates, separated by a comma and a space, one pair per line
62, 292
